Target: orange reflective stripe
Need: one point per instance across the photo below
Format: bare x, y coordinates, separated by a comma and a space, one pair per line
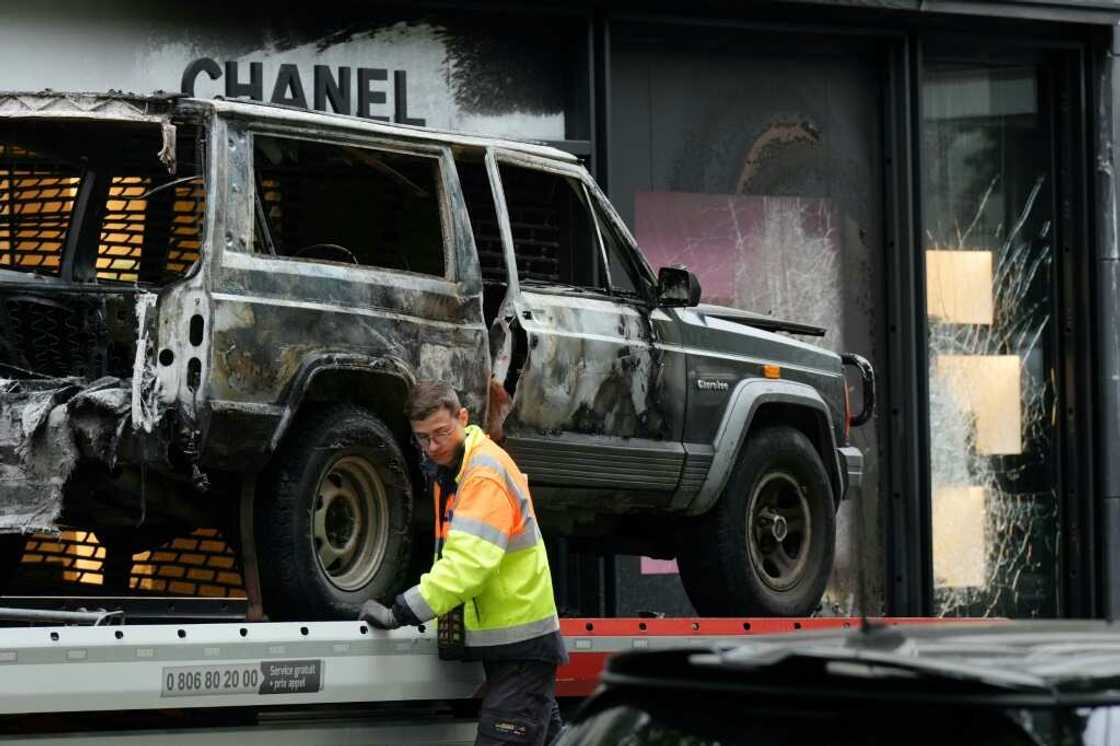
435, 504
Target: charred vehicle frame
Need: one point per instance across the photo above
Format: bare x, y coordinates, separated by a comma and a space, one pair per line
213, 310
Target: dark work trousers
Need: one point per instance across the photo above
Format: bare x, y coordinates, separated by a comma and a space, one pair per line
519, 704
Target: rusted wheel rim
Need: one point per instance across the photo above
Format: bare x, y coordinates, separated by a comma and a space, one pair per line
350, 522
779, 531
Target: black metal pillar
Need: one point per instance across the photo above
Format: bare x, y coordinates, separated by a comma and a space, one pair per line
1107, 128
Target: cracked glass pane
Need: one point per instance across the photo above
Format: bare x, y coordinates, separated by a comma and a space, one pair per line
988, 210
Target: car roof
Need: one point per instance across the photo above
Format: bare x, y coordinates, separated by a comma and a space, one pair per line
1029, 663
281, 113
118, 105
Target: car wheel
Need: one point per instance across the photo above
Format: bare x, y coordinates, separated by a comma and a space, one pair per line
333, 517
766, 548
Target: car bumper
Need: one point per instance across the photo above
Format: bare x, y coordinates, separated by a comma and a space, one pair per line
851, 463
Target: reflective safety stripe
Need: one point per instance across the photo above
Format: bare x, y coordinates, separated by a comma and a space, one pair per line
515, 633
417, 604
493, 556
480, 529
527, 537
511, 484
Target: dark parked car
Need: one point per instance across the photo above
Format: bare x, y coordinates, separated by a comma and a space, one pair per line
212, 311
959, 683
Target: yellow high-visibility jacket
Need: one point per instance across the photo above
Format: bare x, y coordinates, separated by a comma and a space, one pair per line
493, 559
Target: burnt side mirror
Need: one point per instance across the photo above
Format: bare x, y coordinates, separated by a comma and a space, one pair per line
676, 286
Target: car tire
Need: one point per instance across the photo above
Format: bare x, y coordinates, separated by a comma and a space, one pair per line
333, 517
766, 547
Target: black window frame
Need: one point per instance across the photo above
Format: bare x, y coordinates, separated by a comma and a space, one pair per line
576, 181
634, 262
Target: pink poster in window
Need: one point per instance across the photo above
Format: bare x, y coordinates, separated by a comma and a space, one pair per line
652, 566
773, 255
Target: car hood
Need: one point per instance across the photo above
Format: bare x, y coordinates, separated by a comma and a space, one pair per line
759, 321
1024, 661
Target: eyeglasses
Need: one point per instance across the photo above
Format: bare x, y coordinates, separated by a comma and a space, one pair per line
436, 436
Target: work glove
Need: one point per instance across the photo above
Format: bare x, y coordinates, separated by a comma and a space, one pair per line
378, 615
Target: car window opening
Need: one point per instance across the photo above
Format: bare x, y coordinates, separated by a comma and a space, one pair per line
334, 203
475, 185
139, 225
553, 232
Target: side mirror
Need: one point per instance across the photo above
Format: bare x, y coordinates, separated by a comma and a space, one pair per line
676, 286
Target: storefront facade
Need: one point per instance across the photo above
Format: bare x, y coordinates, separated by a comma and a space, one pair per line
932, 183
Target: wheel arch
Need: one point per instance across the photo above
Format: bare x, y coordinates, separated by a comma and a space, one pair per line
759, 403
378, 384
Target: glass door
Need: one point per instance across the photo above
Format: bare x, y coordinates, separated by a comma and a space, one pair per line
989, 223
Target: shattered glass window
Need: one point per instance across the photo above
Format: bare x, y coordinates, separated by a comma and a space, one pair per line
988, 227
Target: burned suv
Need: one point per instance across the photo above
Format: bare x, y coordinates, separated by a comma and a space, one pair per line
211, 313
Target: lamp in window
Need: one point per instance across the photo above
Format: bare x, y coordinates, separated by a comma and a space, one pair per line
988, 386
959, 286
959, 546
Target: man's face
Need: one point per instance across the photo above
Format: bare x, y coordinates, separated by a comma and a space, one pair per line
441, 433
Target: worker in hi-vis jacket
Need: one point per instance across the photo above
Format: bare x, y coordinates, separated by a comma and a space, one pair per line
489, 584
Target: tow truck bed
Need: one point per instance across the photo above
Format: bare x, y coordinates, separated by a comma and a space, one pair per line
278, 683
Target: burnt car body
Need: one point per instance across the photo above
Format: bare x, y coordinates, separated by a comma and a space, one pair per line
962, 682
212, 312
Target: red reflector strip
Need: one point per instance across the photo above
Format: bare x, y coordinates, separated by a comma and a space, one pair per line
591, 642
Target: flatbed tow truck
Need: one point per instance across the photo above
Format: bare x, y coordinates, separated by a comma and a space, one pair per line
107, 682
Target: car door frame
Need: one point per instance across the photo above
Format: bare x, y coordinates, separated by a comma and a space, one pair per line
638, 470
369, 311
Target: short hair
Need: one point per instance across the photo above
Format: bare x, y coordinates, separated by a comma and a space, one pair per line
428, 397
